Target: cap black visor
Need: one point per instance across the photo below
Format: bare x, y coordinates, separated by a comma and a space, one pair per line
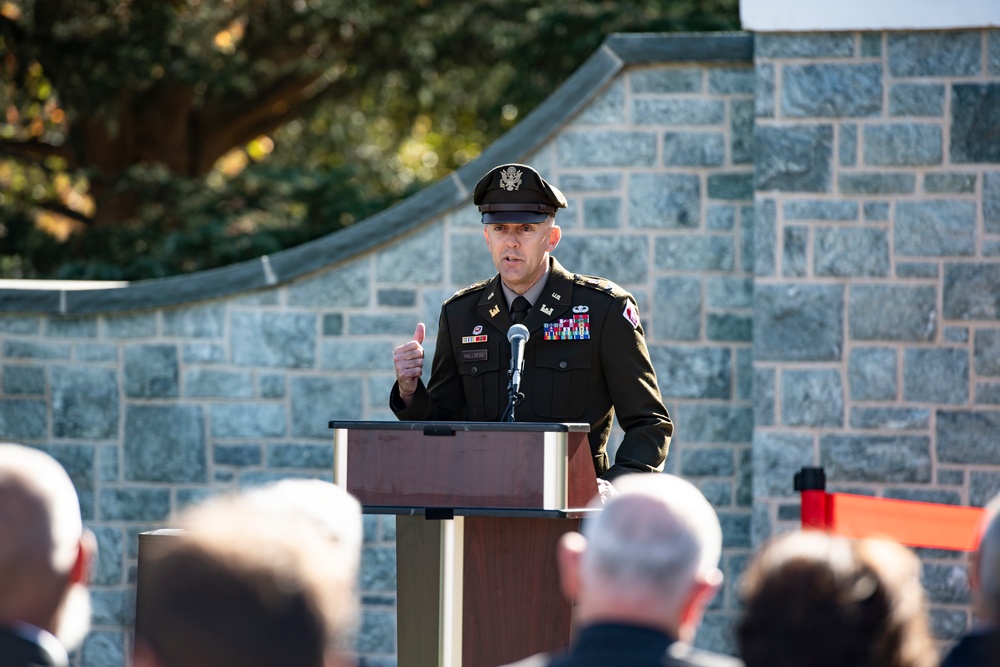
516, 217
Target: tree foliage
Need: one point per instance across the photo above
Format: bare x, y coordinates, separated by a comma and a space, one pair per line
142, 139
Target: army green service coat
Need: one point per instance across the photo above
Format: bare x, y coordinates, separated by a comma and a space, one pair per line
594, 365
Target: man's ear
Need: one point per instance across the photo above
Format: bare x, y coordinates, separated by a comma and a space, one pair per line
86, 555
568, 556
698, 597
554, 235
973, 573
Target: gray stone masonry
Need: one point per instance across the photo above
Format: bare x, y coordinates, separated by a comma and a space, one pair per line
877, 291
809, 224
155, 408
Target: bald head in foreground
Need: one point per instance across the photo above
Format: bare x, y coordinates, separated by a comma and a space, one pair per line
641, 574
45, 557
266, 577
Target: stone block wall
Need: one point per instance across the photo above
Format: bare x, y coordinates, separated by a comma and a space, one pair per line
159, 394
812, 234
877, 275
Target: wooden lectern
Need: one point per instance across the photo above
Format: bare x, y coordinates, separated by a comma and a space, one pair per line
479, 510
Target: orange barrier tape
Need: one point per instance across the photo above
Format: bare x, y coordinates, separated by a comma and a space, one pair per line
909, 522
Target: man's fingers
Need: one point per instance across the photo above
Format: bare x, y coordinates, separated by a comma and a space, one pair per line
411, 350
409, 361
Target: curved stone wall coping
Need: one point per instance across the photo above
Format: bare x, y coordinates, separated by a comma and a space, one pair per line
617, 52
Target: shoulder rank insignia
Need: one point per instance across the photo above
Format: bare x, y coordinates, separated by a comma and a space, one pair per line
470, 288
574, 328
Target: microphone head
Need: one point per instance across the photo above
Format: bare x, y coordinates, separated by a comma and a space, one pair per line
518, 331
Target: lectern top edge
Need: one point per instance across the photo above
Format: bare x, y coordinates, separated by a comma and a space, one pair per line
461, 426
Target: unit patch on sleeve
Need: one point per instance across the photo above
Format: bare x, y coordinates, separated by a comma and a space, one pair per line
631, 314
575, 328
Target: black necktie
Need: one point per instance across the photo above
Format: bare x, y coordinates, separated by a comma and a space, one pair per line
519, 309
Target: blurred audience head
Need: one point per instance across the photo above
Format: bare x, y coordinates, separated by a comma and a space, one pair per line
650, 557
262, 578
985, 571
45, 553
822, 600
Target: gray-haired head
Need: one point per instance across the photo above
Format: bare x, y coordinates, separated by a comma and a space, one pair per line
330, 508
657, 537
260, 577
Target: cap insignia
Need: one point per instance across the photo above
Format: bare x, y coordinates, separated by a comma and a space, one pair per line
510, 179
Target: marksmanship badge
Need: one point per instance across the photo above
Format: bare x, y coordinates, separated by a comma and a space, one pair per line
510, 179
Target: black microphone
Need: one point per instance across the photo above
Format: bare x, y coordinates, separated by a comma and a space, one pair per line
518, 337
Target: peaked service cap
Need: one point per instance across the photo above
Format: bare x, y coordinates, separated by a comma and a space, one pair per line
516, 193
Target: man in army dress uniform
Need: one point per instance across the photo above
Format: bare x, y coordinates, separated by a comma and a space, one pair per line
585, 359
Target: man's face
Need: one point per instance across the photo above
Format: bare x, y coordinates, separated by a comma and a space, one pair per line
521, 250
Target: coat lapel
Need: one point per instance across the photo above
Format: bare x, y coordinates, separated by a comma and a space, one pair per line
554, 300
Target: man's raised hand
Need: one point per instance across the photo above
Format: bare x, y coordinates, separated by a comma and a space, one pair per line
409, 362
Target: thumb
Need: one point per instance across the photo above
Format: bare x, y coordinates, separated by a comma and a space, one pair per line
418, 335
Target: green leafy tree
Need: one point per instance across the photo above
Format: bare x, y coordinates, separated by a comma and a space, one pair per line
183, 134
